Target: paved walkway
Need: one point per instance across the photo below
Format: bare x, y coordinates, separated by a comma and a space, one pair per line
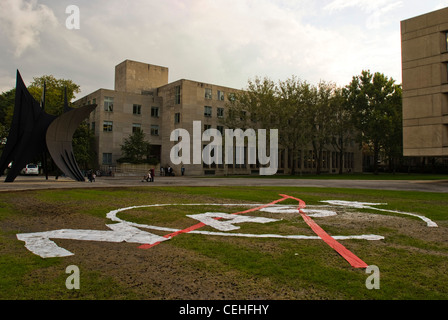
32, 183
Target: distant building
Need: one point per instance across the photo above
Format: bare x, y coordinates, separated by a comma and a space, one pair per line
143, 99
424, 41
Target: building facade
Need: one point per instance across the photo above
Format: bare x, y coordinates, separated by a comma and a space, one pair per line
424, 41
143, 99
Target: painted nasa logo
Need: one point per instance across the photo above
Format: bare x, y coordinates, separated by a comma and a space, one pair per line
225, 224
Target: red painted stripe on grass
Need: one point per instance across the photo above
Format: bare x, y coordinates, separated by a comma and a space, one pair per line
200, 225
339, 248
351, 258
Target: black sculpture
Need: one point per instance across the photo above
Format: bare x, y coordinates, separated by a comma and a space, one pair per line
34, 132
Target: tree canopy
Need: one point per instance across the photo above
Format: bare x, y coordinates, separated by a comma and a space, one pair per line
54, 105
323, 115
375, 104
135, 148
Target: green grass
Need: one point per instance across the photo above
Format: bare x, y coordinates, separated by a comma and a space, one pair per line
345, 176
412, 266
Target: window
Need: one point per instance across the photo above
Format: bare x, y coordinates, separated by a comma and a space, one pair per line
206, 127
220, 129
155, 112
220, 112
108, 104
177, 95
154, 130
446, 41
92, 127
220, 95
107, 158
207, 111
107, 126
176, 118
208, 93
231, 96
136, 127
446, 72
137, 109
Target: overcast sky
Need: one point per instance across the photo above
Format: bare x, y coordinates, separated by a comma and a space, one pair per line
223, 42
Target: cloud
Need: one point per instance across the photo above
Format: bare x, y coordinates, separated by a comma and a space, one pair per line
368, 6
377, 11
221, 41
22, 21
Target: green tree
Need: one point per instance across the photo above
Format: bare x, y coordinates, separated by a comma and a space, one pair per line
321, 120
135, 148
6, 111
257, 104
54, 105
55, 91
393, 135
342, 125
83, 146
299, 110
54, 96
295, 125
7, 100
374, 101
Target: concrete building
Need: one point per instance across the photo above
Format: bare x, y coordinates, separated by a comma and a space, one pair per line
144, 99
424, 41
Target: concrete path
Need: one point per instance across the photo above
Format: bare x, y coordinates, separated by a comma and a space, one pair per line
32, 183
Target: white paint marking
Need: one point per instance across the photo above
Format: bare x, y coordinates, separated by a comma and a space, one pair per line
367, 205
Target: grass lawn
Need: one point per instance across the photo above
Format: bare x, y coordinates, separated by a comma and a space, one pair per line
347, 176
412, 258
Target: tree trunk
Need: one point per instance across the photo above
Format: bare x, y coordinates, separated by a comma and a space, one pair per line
318, 160
376, 152
341, 157
291, 161
341, 161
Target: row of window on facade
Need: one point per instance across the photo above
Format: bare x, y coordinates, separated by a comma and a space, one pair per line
207, 113
208, 95
220, 94
108, 126
136, 108
155, 111
309, 161
304, 159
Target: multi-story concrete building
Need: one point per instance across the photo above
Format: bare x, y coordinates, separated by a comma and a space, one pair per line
144, 99
424, 42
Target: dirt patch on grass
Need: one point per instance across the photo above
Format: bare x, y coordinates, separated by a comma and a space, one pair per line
170, 272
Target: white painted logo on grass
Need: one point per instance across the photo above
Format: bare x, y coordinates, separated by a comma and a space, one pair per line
40, 243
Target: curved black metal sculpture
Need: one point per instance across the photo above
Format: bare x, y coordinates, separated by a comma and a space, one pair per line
33, 132
59, 139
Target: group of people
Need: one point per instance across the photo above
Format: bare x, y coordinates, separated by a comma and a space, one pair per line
166, 172
91, 176
149, 177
